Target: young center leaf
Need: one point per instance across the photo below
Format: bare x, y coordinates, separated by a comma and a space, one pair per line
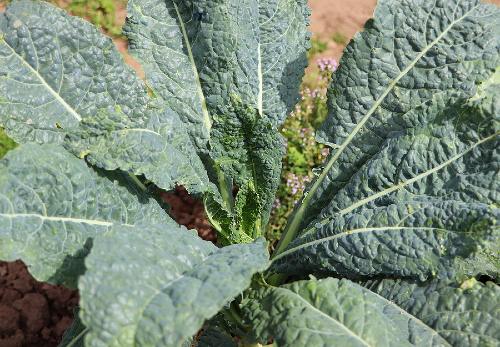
411, 186
52, 206
160, 284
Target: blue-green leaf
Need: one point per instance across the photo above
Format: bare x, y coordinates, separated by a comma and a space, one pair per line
425, 205
411, 54
411, 186
56, 70
465, 315
160, 284
52, 206
332, 312
196, 54
155, 145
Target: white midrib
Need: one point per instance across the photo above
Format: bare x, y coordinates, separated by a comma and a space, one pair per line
410, 316
321, 313
77, 337
350, 232
139, 130
206, 117
378, 195
44, 83
296, 220
60, 219
260, 98
414, 179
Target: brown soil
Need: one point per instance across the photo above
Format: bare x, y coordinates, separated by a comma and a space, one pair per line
189, 212
32, 313
338, 17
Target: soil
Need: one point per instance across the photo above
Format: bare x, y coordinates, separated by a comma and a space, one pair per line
32, 313
341, 18
189, 212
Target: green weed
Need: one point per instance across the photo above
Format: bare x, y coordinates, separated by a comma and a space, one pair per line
339, 38
317, 46
303, 152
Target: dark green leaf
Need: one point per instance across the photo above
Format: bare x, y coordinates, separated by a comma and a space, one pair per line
411, 188
465, 316
52, 206
56, 70
160, 284
332, 312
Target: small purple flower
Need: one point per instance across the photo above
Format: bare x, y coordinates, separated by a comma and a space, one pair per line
276, 204
296, 183
327, 64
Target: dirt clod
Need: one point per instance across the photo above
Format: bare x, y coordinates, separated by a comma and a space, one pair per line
32, 314
189, 212
9, 318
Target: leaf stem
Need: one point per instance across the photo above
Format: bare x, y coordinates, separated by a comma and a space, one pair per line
77, 337
138, 182
233, 315
224, 187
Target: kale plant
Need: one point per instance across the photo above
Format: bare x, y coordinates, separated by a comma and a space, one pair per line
394, 243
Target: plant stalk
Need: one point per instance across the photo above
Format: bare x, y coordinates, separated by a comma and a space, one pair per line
292, 228
138, 183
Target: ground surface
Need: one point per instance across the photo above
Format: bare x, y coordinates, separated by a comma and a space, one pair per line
33, 314
338, 18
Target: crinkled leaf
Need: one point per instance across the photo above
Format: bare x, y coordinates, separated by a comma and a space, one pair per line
332, 312
425, 205
52, 206
160, 284
56, 70
248, 208
248, 150
62, 76
394, 67
466, 315
411, 187
155, 145
196, 54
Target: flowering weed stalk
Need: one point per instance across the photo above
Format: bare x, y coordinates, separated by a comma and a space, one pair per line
302, 151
